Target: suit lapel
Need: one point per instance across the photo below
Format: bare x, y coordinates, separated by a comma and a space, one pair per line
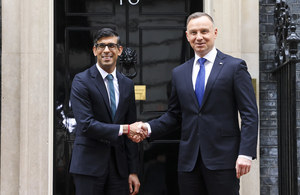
189, 82
122, 90
99, 83
217, 67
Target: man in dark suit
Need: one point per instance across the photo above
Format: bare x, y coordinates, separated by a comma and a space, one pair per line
104, 160
214, 152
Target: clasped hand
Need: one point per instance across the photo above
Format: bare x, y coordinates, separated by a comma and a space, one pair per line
138, 132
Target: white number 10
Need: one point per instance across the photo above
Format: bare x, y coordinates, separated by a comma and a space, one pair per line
130, 1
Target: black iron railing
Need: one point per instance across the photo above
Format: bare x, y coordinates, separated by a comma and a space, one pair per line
285, 70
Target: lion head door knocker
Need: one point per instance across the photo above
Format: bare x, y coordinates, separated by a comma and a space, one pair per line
128, 60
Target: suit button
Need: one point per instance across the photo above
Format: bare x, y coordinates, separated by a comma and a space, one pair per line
200, 114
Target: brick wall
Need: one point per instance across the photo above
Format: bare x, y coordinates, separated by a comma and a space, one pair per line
268, 96
268, 101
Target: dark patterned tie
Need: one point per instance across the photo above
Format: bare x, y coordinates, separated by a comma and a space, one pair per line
200, 81
111, 90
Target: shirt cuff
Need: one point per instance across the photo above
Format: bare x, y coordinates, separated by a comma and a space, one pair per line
246, 157
121, 130
149, 129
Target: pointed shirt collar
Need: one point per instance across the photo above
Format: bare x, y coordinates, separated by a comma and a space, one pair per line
211, 56
103, 73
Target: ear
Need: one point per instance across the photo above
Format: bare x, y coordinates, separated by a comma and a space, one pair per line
187, 36
120, 50
94, 51
216, 32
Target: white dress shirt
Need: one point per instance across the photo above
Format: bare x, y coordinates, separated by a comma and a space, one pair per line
115, 81
210, 59
103, 73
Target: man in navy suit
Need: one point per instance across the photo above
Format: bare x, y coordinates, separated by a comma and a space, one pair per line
214, 152
104, 160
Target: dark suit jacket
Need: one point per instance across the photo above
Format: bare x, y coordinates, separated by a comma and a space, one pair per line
212, 128
96, 132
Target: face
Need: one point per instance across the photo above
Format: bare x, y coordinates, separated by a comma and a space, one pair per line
201, 35
107, 55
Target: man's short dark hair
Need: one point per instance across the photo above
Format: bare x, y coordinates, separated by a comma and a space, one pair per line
106, 32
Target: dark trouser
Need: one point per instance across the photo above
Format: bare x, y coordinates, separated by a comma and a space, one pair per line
110, 184
202, 181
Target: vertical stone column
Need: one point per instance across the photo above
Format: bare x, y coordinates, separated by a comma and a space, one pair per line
227, 16
238, 35
250, 53
26, 102
10, 110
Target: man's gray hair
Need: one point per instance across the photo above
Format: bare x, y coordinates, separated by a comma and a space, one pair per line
198, 15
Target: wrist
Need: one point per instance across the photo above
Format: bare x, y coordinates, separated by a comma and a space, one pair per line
126, 129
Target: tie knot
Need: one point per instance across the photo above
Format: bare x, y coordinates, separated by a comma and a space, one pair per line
201, 61
109, 77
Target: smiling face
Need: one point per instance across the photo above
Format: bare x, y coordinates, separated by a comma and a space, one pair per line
107, 57
201, 35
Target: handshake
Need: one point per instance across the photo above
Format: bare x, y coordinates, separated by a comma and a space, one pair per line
137, 131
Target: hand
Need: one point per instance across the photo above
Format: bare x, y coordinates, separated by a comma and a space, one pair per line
138, 132
134, 184
242, 166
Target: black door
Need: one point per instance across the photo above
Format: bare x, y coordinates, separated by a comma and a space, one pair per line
155, 29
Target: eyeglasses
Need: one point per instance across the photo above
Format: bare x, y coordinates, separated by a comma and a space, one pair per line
102, 46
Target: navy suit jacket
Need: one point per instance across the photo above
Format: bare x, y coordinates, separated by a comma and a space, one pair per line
96, 132
212, 128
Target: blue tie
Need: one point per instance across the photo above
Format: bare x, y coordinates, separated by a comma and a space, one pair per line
111, 90
200, 81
